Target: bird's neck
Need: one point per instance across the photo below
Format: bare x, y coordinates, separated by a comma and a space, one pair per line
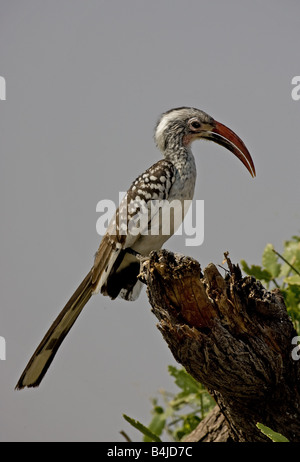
181, 157
185, 173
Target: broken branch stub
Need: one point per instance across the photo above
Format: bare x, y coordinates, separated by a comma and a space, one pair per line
231, 334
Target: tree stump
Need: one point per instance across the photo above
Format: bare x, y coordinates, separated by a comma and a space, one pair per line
233, 336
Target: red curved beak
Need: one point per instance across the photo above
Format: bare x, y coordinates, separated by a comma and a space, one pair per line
225, 137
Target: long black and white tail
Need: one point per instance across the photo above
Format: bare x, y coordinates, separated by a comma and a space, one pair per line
47, 349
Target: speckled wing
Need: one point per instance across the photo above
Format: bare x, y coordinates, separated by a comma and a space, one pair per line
115, 270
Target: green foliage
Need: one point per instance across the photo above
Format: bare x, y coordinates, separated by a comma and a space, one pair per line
270, 261
281, 271
274, 436
139, 426
179, 413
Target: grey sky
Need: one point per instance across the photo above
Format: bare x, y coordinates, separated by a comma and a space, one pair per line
86, 82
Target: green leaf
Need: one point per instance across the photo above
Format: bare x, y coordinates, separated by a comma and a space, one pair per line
157, 423
274, 436
256, 271
291, 254
184, 381
293, 280
270, 261
190, 422
139, 426
291, 294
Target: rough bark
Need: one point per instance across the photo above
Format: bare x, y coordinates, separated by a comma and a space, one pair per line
212, 429
233, 336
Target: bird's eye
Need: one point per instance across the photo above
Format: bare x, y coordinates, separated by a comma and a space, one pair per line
195, 125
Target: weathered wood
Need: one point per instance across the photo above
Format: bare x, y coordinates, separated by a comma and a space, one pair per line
233, 336
212, 429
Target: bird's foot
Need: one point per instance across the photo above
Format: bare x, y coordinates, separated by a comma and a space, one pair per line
138, 256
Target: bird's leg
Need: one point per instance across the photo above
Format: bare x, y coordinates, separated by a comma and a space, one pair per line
142, 259
138, 256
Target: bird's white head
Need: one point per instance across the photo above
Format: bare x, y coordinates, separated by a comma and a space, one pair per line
179, 127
